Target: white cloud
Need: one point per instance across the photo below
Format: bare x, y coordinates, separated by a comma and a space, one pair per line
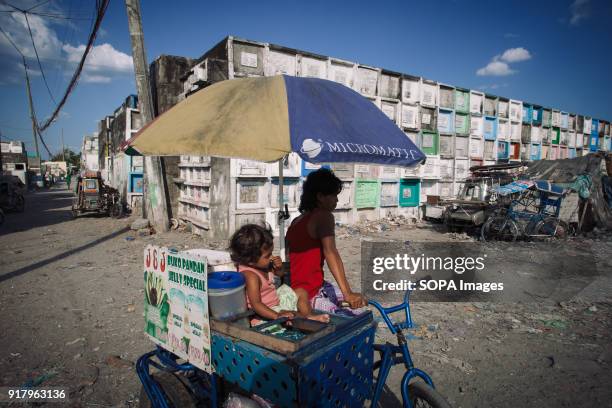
580, 10
511, 35
96, 79
495, 68
103, 62
500, 64
14, 24
515, 55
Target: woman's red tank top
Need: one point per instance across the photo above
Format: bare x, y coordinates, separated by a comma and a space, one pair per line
305, 256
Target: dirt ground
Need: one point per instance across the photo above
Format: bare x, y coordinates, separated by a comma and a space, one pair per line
72, 303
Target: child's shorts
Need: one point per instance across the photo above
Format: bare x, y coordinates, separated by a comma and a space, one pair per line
288, 301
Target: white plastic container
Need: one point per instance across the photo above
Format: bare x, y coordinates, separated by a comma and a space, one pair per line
226, 295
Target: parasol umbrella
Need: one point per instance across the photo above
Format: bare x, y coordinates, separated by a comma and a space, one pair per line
266, 118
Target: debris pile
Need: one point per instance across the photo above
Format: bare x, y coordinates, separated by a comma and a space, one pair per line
365, 227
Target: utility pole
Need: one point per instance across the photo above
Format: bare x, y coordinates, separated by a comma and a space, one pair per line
63, 150
1, 168
155, 207
34, 125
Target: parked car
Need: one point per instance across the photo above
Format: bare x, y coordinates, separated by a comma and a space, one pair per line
477, 200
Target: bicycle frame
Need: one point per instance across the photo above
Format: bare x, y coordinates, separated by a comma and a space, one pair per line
389, 352
542, 202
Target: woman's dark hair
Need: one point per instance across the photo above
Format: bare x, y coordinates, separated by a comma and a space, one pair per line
246, 243
322, 181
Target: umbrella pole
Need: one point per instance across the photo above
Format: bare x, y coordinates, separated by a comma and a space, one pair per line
281, 215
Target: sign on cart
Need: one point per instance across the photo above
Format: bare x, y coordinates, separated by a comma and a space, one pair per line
176, 304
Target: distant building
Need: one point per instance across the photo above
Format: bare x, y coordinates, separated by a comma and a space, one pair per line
90, 153
57, 169
14, 159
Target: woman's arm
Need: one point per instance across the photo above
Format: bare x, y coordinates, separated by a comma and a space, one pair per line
325, 230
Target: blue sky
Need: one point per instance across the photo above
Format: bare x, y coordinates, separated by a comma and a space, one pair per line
554, 53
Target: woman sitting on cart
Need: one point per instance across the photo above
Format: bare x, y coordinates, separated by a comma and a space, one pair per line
311, 241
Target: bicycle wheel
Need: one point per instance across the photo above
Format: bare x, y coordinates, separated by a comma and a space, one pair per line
549, 228
423, 396
178, 393
116, 210
499, 228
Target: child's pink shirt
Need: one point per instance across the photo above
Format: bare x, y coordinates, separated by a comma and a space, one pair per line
268, 294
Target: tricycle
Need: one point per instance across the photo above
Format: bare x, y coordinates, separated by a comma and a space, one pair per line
92, 195
533, 214
333, 366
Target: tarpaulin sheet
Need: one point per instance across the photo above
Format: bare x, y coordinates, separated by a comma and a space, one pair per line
514, 187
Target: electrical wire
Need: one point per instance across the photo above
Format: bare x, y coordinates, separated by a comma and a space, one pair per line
101, 7
42, 3
33, 111
101, 10
61, 17
11, 41
63, 40
42, 71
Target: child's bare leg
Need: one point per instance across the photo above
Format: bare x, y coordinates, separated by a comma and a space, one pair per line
304, 309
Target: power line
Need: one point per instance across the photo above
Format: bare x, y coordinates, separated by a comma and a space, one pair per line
25, 14
101, 10
42, 3
61, 17
101, 6
11, 41
37, 58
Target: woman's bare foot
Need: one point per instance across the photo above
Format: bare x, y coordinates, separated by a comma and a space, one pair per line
324, 318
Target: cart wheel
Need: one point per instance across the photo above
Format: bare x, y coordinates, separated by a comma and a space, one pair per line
550, 228
499, 228
116, 210
423, 396
178, 393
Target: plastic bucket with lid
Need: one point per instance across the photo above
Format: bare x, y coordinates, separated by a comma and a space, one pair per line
226, 295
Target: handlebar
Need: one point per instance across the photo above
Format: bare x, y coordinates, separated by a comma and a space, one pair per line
385, 312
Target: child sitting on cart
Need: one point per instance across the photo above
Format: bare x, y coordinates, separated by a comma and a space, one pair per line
251, 248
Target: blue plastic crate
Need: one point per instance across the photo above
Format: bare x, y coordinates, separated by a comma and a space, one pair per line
333, 371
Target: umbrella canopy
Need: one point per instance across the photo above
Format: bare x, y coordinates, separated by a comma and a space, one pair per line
265, 118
